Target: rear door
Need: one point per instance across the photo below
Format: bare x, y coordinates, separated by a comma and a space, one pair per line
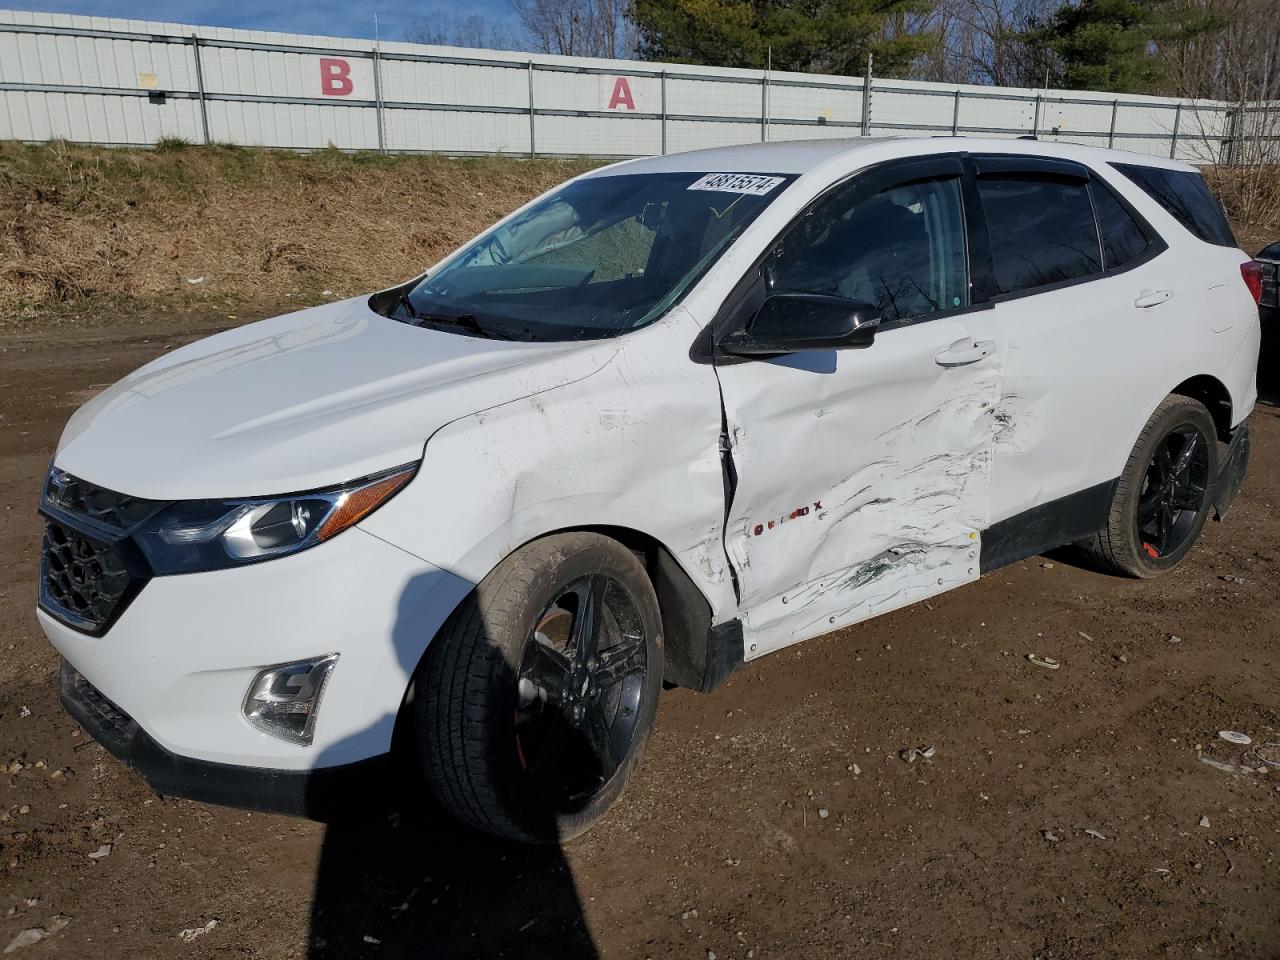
861, 474
1092, 321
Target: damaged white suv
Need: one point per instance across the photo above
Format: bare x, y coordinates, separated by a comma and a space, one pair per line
671, 416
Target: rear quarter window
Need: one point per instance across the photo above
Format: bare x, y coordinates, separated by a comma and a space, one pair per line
1187, 199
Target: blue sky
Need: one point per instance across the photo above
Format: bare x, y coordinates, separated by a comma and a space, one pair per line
330, 17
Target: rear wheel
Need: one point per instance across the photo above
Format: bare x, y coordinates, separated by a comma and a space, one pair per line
1161, 500
534, 703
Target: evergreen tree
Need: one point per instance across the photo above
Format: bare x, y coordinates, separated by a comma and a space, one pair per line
811, 36
1115, 45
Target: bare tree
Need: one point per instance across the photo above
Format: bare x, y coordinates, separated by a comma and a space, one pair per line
986, 41
579, 28
1239, 66
474, 30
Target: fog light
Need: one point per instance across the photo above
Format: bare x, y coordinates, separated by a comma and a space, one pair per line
283, 700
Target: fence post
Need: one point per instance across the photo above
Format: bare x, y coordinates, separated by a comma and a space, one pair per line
1177, 122
664, 112
533, 143
377, 97
764, 107
866, 98
1111, 134
1235, 130
955, 117
204, 108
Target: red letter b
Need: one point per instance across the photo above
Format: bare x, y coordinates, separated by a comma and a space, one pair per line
335, 77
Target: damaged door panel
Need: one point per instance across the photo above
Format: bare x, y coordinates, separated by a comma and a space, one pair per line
862, 469
862, 480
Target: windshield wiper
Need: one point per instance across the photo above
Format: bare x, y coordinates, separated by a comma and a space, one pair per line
405, 302
466, 321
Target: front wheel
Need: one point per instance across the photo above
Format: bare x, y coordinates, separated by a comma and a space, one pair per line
1161, 500
534, 703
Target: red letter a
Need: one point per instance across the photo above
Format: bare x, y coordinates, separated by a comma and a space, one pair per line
621, 95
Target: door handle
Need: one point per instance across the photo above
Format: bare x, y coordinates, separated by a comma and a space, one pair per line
965, 352
1152, 298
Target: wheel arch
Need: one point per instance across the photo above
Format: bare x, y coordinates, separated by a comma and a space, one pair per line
686, 611
697, 654
1213, 393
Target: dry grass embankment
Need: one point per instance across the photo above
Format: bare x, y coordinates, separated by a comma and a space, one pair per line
84, 226
85, 222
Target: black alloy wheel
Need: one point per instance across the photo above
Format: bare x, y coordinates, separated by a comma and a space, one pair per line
1162, 498
1175, 491
578, 690
534, 702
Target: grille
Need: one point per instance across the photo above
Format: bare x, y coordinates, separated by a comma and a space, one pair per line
83, 581
106, 507
1270, 296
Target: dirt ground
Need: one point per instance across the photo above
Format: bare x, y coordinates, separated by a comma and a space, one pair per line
1065, 814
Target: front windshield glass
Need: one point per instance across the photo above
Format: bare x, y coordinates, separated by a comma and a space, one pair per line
595, 259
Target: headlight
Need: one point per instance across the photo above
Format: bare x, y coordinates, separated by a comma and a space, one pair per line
197, 535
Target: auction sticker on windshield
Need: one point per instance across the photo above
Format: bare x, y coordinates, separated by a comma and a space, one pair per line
752, 183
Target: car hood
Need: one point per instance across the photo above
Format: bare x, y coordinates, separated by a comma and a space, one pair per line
302, 401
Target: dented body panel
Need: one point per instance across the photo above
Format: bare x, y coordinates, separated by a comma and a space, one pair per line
632, 446
863, 480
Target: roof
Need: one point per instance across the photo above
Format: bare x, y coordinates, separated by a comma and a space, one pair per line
802, 156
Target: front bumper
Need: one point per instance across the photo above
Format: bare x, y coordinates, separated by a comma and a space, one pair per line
323, 794
180, 659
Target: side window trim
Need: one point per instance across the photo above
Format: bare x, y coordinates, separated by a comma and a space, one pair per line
1006, 164
1049, 169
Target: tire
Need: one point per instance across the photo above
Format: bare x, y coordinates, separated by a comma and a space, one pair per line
520, 730
1134, 542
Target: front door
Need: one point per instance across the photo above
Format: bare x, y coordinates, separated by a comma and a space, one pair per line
862, 474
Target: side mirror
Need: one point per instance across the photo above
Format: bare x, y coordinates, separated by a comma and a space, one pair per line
792, 322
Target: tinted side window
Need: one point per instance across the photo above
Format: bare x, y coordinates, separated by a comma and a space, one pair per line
1041, 230
1123, 240
1187, 198
902, 250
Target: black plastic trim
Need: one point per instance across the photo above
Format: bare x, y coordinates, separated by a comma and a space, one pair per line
1231, 473
1014, 164
1047, 526
324, 793
686, 622
725, 653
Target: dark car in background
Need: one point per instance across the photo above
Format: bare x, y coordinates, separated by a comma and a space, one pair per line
1269, 308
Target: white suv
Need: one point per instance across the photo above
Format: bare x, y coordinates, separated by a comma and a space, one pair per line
671, 416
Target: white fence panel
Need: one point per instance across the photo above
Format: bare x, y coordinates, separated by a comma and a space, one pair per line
454, 132
100, 80
449, 83
821, 105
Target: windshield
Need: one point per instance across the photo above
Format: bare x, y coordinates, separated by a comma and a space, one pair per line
597, 258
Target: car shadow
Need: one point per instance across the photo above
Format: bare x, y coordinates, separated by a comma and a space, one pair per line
422, 885
399, 877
